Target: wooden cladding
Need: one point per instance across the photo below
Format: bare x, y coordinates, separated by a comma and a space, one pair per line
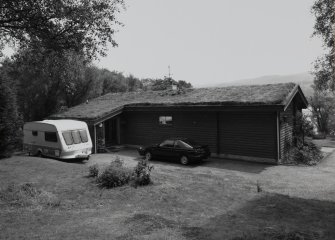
142, 128
251, 134
286, 121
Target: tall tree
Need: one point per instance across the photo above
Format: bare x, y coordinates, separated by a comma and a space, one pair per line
48, 80
85, 26
324, 68
10, 120
323, 108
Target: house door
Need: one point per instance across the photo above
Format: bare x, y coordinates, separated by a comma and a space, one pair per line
112, 131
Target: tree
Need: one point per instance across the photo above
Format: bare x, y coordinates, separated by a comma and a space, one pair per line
48, 80
165, 84
10, 120
324, 68
303, 127
76, 79
84, 26
323, 107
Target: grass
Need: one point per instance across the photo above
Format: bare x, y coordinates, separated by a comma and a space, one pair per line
267, 94
182, 203
328, 142
27, 195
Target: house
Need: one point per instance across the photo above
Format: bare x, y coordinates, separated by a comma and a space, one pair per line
252, 123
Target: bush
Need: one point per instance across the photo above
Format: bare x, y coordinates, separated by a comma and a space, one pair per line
114, 175
141, 173
307, 153
93, 170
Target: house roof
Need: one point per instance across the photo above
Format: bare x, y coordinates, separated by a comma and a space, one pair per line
279, 95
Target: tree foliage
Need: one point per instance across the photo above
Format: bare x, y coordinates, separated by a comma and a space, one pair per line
85, 26
324, 11
10, 120
324, 16
323, 109
117, 82
164, 84
303, 127
48, 80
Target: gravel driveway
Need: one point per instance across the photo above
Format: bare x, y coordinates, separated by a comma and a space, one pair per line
310, 182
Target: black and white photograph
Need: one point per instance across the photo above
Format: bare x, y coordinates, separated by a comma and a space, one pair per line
167, 119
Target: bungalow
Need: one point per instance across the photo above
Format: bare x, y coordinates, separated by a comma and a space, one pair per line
252, 123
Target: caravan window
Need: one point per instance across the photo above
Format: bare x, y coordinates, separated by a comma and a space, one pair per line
50, 136
68, 138
35, 133
83, 136
76, 137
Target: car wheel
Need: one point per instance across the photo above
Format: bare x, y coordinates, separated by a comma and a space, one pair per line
148, 156
184, 160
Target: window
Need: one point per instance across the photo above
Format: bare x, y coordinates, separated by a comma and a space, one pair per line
83, 136
183, 145
167, 143
76, 137
50, 136
35, 133
165, 120
68, 138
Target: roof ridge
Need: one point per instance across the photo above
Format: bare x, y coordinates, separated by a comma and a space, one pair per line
246, 95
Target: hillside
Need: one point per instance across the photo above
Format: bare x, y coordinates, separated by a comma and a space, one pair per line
305, 80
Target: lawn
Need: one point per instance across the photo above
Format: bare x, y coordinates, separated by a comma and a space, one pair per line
328, 142
196, 202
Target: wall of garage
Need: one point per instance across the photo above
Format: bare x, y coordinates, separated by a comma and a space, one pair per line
249, 134
143, 128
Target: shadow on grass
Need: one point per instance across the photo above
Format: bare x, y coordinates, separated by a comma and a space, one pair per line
271, 216
235, 165
77, 161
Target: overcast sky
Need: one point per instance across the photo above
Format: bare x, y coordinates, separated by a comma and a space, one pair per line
214, 41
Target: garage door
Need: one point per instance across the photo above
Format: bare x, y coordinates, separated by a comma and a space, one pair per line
248, 134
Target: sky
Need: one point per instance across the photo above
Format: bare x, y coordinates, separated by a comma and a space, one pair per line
214, 41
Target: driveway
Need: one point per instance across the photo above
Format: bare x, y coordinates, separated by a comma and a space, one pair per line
310, 182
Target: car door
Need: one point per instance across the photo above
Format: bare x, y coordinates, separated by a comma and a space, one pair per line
165, 149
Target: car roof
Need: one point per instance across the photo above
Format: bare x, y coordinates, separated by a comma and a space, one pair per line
176, 139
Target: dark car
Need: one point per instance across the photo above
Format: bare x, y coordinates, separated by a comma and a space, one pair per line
183, 149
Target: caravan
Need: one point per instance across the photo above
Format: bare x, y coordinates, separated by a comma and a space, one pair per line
64, 139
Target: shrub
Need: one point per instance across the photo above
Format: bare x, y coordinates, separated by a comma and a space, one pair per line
306, 153
141, 173
93, 170
114, 175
